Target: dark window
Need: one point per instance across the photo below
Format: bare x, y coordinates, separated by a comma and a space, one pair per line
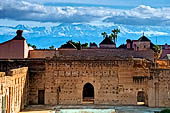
41, 96
140, 97
88, 92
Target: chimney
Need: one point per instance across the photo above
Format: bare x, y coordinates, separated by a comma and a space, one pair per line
19, 33
128, 45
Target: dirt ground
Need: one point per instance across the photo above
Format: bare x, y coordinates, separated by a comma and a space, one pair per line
38, 111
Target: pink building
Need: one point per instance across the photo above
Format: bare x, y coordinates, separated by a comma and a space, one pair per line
143, 43
15, 48
165, 51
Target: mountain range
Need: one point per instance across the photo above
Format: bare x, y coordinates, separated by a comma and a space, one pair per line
45, 36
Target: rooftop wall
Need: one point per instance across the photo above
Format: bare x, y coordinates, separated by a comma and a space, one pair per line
106, 53
42, 53
92, 53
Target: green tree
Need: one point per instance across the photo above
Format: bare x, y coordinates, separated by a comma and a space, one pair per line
165, 111
157, 53
29, 45
104, 34
52, 47
114, 34
85, 45
158, 50
78, 45
111, 36
34, 47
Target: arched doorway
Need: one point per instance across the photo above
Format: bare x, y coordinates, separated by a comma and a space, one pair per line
88, 93
141, 98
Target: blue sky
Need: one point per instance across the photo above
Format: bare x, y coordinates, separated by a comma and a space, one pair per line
153, 3
150, 16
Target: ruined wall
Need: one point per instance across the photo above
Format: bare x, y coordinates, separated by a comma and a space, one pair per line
159, 88
115, 82
163, 64
13, 90
2, 80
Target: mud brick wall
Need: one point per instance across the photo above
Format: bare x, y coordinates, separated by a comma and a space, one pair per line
2, 80
116, 81
13, 89
159, 88
112, 81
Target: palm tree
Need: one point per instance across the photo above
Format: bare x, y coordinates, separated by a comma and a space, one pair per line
104, 34
52, 47
114, 34
111, 36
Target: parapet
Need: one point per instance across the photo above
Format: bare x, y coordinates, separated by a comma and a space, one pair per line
17, 71
2, 74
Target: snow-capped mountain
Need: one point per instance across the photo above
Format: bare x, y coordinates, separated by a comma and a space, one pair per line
44, 37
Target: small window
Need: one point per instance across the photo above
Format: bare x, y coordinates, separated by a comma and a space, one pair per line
137, 48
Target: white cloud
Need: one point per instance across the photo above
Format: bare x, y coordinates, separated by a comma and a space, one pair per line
142, 15
26, 11
77, 28
149, 33
61, 34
